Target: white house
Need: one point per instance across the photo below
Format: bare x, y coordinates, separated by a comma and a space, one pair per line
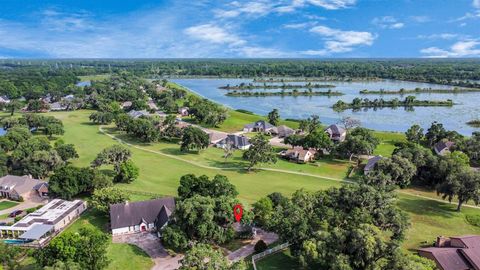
133, 217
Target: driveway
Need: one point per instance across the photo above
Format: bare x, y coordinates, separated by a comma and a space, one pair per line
249, 249
28, 203
150, 243
276, 141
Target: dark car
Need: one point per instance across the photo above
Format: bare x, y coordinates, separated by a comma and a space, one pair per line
16, 213
3, 223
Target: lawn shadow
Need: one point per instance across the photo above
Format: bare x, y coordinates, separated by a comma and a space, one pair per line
426, 207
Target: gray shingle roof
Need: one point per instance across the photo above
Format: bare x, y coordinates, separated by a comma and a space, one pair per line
21, 184
441, 145
235, 140
335, 130
371, 163
131, 213
284, 131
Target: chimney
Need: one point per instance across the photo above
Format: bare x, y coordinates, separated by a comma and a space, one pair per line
442, 242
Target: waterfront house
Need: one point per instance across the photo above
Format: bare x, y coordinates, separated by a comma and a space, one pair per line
260, 126
183, 111
336, 133
237, 142
454, 253
215, 136
137, 114
284, 131
21, 187
142, 216
443, 147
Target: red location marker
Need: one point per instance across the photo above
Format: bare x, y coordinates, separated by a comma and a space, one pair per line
238, 212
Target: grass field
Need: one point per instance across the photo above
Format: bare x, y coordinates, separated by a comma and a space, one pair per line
7, 204
160, 174
98, 77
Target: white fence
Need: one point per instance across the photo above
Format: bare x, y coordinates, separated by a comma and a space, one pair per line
268, 252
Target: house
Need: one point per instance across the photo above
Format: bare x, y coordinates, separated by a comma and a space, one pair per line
57, 106
152, 106
40, 226
299, 155
443, 147
454, 253
126, 104
183, 111
137, 114
371, 164
336, 133
16, 187
216, 136
260, 126
284, 131
4, 99
237, 142
133, 217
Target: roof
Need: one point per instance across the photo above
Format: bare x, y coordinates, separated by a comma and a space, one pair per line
470, 241
137, 114
131, 213
443, 145
448, 258
51, 213
216, 136
21, 184
284, 131
472, 255
235, 140
260, 124
371, 163
298, 153
36, 232
335, 130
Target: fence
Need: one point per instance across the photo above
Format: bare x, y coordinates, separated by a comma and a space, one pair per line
267, 253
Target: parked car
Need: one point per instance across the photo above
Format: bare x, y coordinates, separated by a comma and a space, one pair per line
16, 213
3, 223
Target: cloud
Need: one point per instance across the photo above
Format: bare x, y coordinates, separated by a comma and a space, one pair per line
264, 7
476, 4
388, 22
420, 19
339, 41
214, 34
298, 25
465, 48
445, 36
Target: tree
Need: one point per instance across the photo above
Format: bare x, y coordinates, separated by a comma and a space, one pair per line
273, 117
66, 151
310, 124
113, 155
69, 181
360, 141
414, 134
128, 172
260, 246
194, 138
190, 185
13, 106
88, 248
259, 152
54, 129
350, 123
204, 257
174, 238
435, 133
103, 198
9, 256
396, 171
294, 140
263, 211
103, 118
9, 89
463, 184
36, 106
318, 140
402, 260
59, 265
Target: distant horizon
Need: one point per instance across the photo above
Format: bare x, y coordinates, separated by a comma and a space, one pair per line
285, 29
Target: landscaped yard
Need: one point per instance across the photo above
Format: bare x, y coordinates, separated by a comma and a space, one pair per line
7, 204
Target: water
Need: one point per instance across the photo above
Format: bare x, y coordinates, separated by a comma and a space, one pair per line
386, 119
85, 83
2, 131
15, 241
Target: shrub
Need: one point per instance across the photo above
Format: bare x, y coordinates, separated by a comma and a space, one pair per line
244, 111
174, 238
473, 220
260, 246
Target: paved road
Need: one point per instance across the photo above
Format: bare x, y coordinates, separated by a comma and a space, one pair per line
150, 243
249, 249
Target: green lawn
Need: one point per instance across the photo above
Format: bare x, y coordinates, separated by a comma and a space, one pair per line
160, 174
7, 204
387, 142
279, 261
98, 77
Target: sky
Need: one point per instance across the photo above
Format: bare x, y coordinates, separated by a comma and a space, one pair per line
239, 29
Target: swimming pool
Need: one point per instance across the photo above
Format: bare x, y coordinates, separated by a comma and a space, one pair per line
15, 241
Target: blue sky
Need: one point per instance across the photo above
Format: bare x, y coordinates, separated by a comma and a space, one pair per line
239, 29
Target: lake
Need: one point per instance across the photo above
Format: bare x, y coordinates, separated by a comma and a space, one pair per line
386, 119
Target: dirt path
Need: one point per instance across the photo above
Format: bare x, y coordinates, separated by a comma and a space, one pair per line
249, 249
270, 169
